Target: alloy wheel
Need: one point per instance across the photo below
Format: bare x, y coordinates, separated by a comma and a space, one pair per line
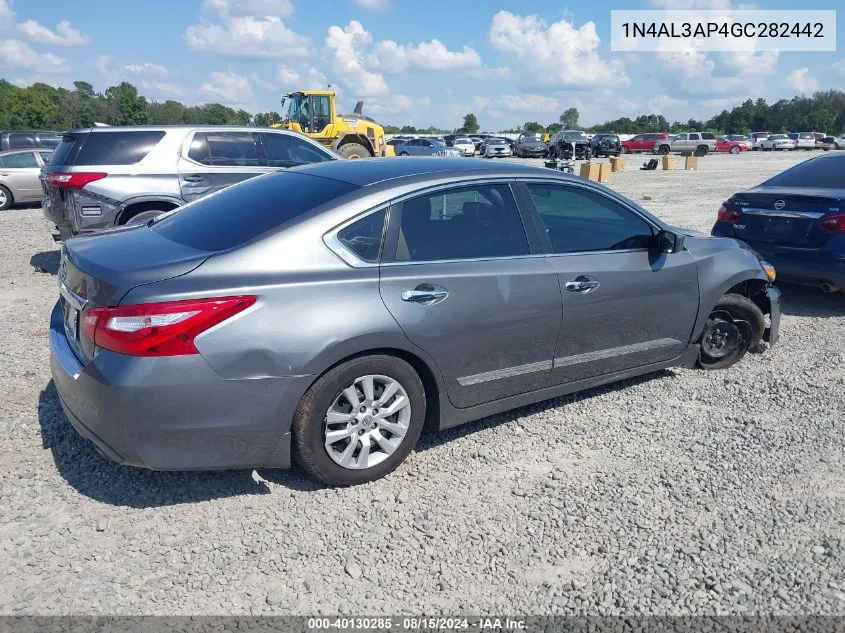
3, 198
367, 422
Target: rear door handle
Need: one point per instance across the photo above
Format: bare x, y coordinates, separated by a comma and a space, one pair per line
582, 284
193, 179
424, 296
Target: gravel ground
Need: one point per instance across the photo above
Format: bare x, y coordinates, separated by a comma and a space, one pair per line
681, 492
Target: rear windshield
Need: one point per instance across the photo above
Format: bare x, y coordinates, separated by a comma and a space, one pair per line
106, 148
827, 173
242, 212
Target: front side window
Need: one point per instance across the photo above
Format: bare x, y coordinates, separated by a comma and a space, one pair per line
681, 137
363, 237
285, 150
577, 220
20, 161
475, 222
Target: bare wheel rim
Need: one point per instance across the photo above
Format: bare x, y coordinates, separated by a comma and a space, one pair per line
367, 422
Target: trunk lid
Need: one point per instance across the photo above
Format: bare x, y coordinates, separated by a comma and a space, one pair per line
785, 216
99, 270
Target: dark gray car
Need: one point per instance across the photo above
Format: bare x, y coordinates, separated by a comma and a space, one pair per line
343, 304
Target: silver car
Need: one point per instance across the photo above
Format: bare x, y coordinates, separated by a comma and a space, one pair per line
104, 176
425, 147
497, 147
330, 310
19, 176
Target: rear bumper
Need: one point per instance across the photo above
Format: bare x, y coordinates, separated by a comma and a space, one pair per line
173, 413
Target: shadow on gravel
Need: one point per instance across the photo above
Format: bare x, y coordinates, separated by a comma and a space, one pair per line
807, 301
46, 261
90, 474
431, 438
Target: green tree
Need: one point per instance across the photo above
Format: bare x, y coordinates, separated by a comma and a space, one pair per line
470, 125
266, 119
533, 126
168, 113
129, 108
569, 118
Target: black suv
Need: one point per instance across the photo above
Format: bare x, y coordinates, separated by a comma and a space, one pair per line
606, 145
568, 144
28, 139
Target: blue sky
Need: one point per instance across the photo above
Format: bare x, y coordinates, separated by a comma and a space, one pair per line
423, 62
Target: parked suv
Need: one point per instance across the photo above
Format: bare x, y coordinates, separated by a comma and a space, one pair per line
698, 143
757, 139
605, 145
103, 177
28, 139
643, 142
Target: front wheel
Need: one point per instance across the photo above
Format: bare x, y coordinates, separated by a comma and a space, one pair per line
6, 198
734, 326
404, 154
734, 150
359, 420
353, 150
663, 150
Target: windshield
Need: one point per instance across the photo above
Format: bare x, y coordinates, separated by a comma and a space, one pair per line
574, 136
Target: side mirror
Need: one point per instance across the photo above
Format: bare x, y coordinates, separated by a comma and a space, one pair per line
669, 242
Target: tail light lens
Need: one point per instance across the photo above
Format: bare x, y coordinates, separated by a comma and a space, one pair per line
834, 223
159, 329
75, 180
729, 213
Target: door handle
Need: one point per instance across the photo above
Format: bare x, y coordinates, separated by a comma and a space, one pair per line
424, 296
582, 284
193, 178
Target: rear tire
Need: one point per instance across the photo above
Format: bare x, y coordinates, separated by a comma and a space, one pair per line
663, 150
734, 326
310, 421
404, 154
6, 198
701, 150
734, 150
354, 150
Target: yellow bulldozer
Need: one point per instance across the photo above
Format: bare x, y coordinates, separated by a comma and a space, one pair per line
313, 113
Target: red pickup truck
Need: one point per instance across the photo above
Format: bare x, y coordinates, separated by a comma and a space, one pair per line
643, 142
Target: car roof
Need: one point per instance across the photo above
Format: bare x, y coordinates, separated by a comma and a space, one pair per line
198, 128
368, 171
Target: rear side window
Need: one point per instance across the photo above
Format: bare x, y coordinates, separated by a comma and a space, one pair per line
826, 173
114, 148
363, 237
707, 136
225, 149
244, 211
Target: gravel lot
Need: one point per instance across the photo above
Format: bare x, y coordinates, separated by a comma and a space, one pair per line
680, 492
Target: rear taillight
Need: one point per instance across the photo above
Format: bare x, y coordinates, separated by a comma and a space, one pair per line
159, 329
76, 180
729, 213
834, 223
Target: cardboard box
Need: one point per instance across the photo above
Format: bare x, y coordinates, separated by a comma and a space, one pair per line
691, 163
590, 171
617, 163
668, 162
604, 172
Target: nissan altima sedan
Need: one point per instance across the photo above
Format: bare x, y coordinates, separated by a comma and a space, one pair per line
348, 302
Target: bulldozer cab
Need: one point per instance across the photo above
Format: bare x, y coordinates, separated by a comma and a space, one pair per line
310, 112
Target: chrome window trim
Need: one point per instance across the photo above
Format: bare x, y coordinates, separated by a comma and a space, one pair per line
333, 243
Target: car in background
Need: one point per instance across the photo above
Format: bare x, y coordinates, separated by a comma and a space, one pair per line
776, 142
796, 221
643, 142
568, 144
495, 147
725, 144
839, 142
20, 173
465, 145
740, 138
478, 143
803, 140
423, 147
529, 145
210, 339
102, 177
698, 143
28, 139
606, 145
757, 138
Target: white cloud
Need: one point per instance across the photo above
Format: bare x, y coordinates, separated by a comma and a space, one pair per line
146, 69
497, 72
802, 81
18, 54
287, 75
659, 102
102, 64
227, 8
433, 55
316, 80
158, 89
229, 88
64, 35
555, 54
838, 68
347, 45
398, 104
528, 103
373, 5
247, 37
7, 15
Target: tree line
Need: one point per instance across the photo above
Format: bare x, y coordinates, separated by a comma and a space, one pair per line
41, 106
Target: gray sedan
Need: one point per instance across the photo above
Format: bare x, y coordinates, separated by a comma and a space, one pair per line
348, 302
20, 176
424, 147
